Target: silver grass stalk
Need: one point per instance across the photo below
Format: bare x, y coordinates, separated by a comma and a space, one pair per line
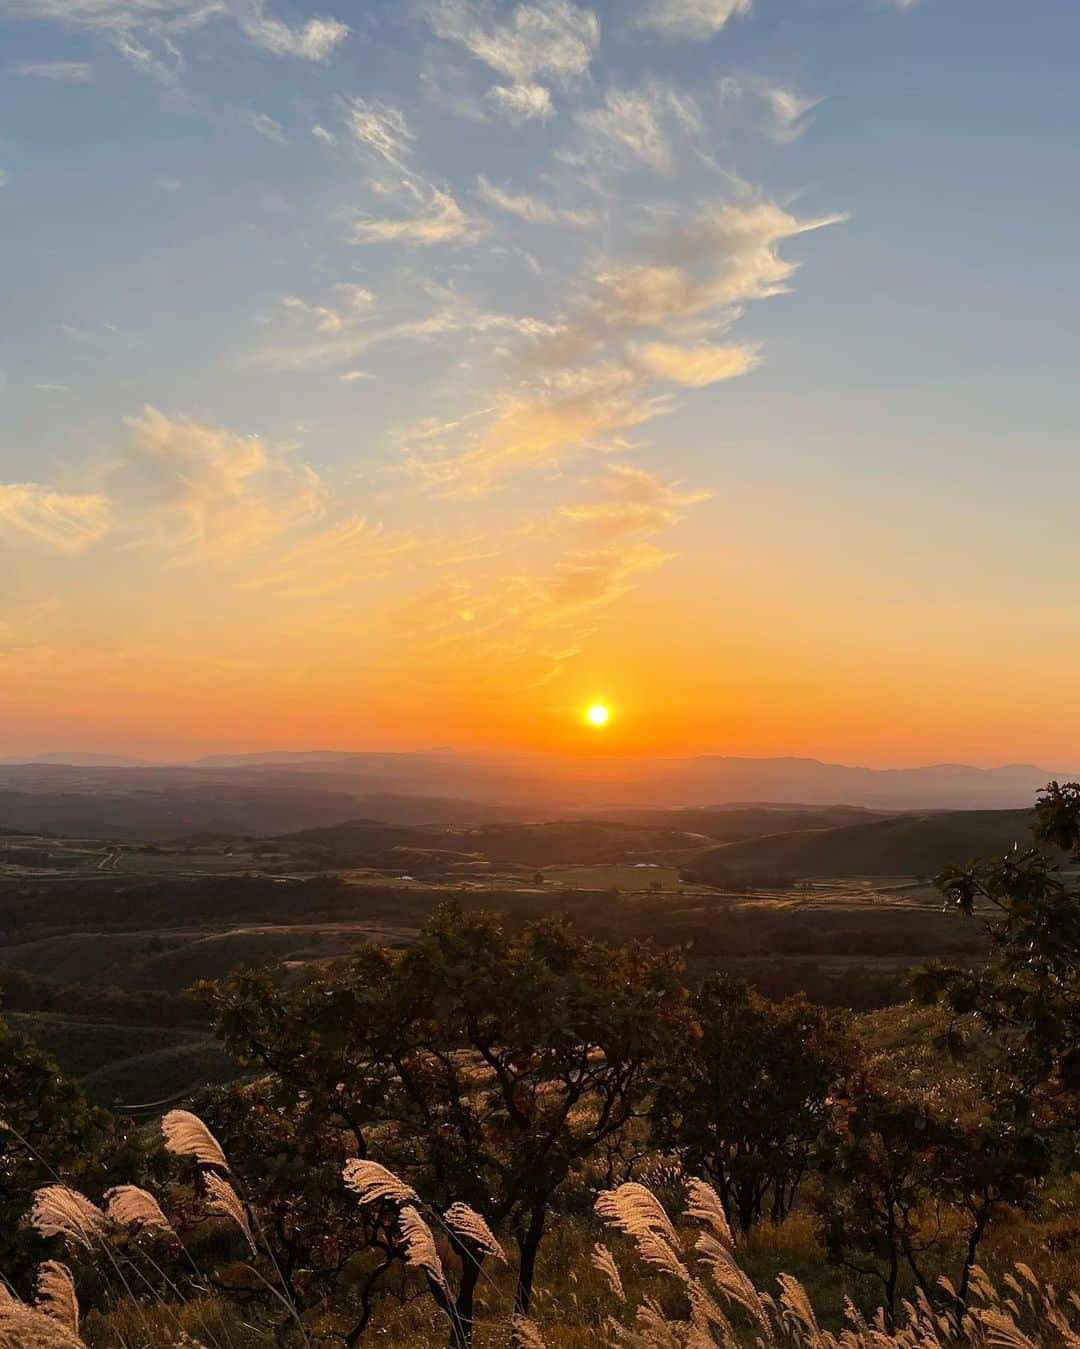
23, 1327
704, 1205
59, 1211
225, 1201
636, 1210
732, 1282
372, 1183
524, 1334
1003, 1332
706, 1316
602, 1260
56, 1294
468, 1225
420, 1250
187, 1136
129, 1206
655, 1331
798, 1308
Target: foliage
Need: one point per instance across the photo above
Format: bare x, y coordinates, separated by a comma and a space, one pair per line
910, 1176
47, 1130
743, 1098
492, 1066
1030, 993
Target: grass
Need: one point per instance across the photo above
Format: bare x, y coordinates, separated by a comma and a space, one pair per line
621, 876
128, 1065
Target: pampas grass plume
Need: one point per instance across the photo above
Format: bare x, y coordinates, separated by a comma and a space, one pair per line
59, 1211
131, 1207
373, 1183
187, 1136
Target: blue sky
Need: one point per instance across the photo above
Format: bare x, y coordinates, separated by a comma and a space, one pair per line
422, 338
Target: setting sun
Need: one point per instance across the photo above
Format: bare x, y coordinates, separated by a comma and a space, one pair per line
598, 715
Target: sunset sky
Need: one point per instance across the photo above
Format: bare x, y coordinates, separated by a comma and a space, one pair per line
397, 373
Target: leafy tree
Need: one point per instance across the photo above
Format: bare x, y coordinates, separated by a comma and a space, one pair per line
743, 1097
1029, 995
487, 1067
47, 1130
330, 1257
904, 1170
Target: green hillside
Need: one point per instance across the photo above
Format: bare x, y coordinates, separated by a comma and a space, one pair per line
906, 845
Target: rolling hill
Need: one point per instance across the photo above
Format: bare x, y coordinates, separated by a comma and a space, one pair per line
905, 845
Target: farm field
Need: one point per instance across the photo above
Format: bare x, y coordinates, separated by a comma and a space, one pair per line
101, 940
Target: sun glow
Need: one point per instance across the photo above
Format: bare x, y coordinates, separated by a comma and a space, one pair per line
598, 715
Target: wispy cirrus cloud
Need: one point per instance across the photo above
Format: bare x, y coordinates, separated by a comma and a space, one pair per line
351, 552
699, 19
532, 209
638, 316
65, 521
264, 125
552, 39
201, 491
379, 128
313, 40
638, 126
521, 102
697, 364
336, 337
148, 32
436, 218
705, 271
782, 111
631, 502
560, 415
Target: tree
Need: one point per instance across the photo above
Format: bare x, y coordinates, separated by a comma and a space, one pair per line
743, 1097
904, 1170
486, 1067
329, 1255
1029, 996
47, 1130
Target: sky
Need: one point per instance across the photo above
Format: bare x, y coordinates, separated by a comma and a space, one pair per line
399, 373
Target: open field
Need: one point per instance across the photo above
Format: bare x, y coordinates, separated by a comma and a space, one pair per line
100, 939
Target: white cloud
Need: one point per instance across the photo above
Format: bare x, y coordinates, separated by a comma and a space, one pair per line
321, 134
313, 40
699, 19
146, 31
343, 554
437, 219
632, 502
783, 110
522, 102
380, 128
359, 298
705, 272
60, 520
342, 338
549, 38
697, 365
264, 125
67, 72
327, 320
355, 376
638, 125
529, 208
201, 491
564, 414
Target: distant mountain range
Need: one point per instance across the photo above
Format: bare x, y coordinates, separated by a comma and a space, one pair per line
275, 792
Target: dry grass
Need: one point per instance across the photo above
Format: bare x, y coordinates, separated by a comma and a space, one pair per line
671, 1280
